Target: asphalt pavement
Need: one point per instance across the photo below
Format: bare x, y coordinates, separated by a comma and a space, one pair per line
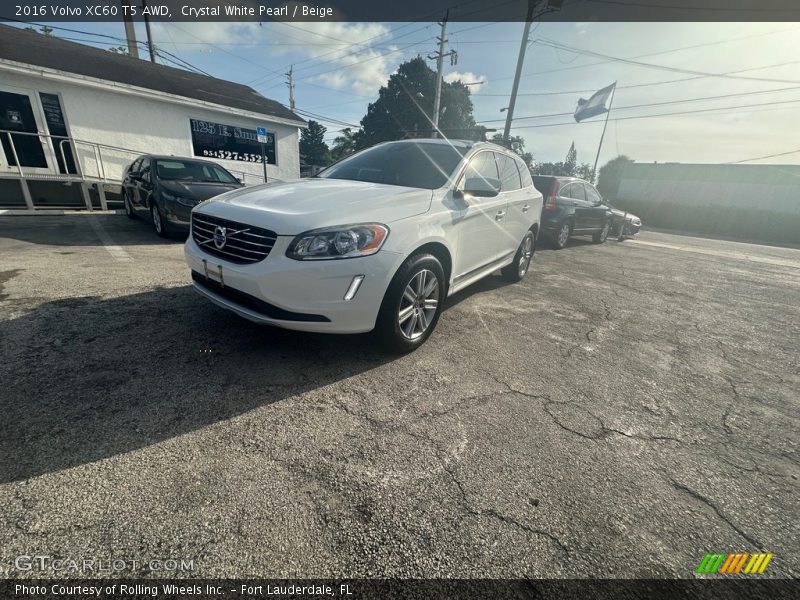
625, 409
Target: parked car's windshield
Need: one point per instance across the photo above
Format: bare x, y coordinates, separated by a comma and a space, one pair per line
191, 171
413, 164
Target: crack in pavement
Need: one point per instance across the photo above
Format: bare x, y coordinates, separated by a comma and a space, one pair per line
700, 498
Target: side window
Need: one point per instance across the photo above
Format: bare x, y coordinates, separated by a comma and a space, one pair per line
576, 191
565, 191
136, 166
509, 174
525, 174
481, 165
592, 195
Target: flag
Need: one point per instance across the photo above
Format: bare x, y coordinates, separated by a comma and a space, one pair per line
596, 105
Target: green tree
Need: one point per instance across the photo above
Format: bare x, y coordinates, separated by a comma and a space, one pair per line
571, 162
610, 176
517, 144
343, 145
549, 168
585, 171
405, 105
120, 50
313, 149
44, 30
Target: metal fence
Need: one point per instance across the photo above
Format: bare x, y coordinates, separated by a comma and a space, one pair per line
87, 164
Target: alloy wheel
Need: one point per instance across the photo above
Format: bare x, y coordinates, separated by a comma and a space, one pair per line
527, 255
419, 304
156, 218
563, 234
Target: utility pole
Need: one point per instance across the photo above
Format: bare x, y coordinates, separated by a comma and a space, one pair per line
130, 31
439, 56
520, 59
149, 34
290, 83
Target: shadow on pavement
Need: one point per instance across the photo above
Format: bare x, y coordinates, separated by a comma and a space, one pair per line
89, 378
79, 230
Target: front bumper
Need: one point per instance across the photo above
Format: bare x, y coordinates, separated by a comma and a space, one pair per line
300, 295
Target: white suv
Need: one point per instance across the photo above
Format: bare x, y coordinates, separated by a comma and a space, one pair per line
376, 241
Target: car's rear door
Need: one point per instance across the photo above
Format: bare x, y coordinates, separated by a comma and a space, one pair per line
480, 224
583, 213
518, 202
597, 209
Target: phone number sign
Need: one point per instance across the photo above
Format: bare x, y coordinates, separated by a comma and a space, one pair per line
229, 142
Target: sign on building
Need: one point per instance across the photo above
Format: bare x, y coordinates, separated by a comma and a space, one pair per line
229, 142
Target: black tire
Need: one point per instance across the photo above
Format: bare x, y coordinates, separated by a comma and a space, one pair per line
128, 207
388, 327
559, 240
157, 219
601, 236
522, 259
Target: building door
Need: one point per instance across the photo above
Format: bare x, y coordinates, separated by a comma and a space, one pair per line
17, 119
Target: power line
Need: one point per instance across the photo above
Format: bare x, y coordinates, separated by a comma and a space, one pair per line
554, 44
736, 162
681, 101
688, 112
694, 8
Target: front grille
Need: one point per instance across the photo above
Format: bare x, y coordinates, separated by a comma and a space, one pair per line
245, 244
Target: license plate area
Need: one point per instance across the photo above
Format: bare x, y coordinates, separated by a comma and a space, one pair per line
213, 272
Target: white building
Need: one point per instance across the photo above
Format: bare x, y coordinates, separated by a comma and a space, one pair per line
73, 116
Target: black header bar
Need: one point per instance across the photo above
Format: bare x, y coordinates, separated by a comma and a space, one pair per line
399, 10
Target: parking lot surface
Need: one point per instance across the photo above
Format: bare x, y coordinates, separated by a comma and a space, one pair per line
625, 409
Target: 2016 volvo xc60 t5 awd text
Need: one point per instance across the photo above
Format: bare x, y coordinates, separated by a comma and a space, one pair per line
376, 241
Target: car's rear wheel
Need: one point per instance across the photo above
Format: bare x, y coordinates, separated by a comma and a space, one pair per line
158, 221
561, 236
600, 236
128, 207
412, 304
522, 259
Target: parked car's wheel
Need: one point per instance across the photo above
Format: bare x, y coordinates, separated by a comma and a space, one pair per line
412, 304
522, 259
561, 237
128, 207
158, 221
600, 236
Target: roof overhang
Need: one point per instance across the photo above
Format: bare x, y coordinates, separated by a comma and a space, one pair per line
46, 73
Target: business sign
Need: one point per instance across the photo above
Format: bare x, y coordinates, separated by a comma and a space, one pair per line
229, 142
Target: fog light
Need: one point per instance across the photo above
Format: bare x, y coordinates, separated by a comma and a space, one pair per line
353, 289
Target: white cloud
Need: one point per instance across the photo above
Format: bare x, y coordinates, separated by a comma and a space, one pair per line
466, 77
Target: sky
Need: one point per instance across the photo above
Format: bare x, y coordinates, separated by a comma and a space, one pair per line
339, 68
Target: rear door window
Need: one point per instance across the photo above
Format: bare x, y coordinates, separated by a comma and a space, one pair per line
576, 191
509, 174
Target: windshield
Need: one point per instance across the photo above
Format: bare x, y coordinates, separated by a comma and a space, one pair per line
412, 164
193, 171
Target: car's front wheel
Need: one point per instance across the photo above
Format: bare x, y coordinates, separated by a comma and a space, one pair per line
412, 304
600, 236
158, 221
522, 259
128, 207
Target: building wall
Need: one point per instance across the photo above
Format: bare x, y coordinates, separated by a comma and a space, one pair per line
150, 125
748, 202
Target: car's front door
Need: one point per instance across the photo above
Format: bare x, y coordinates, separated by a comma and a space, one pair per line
480, 219
583, 213
518, 203
129, 182
144, 185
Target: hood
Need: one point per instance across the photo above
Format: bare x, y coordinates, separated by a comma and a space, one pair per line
196, 190
293, 207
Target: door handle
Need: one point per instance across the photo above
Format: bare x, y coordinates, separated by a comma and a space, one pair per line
499, 216
526, 208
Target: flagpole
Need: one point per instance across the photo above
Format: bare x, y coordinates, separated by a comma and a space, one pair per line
600, 145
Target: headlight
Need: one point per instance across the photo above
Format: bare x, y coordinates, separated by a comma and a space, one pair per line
345, 241
173, 198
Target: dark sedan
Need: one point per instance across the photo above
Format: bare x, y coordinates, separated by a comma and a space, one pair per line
164, 189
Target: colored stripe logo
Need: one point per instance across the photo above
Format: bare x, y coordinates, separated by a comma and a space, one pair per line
734, 563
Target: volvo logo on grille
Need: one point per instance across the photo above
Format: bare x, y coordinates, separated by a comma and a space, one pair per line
220, 237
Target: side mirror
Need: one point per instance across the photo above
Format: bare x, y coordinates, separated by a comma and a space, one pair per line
482, 187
